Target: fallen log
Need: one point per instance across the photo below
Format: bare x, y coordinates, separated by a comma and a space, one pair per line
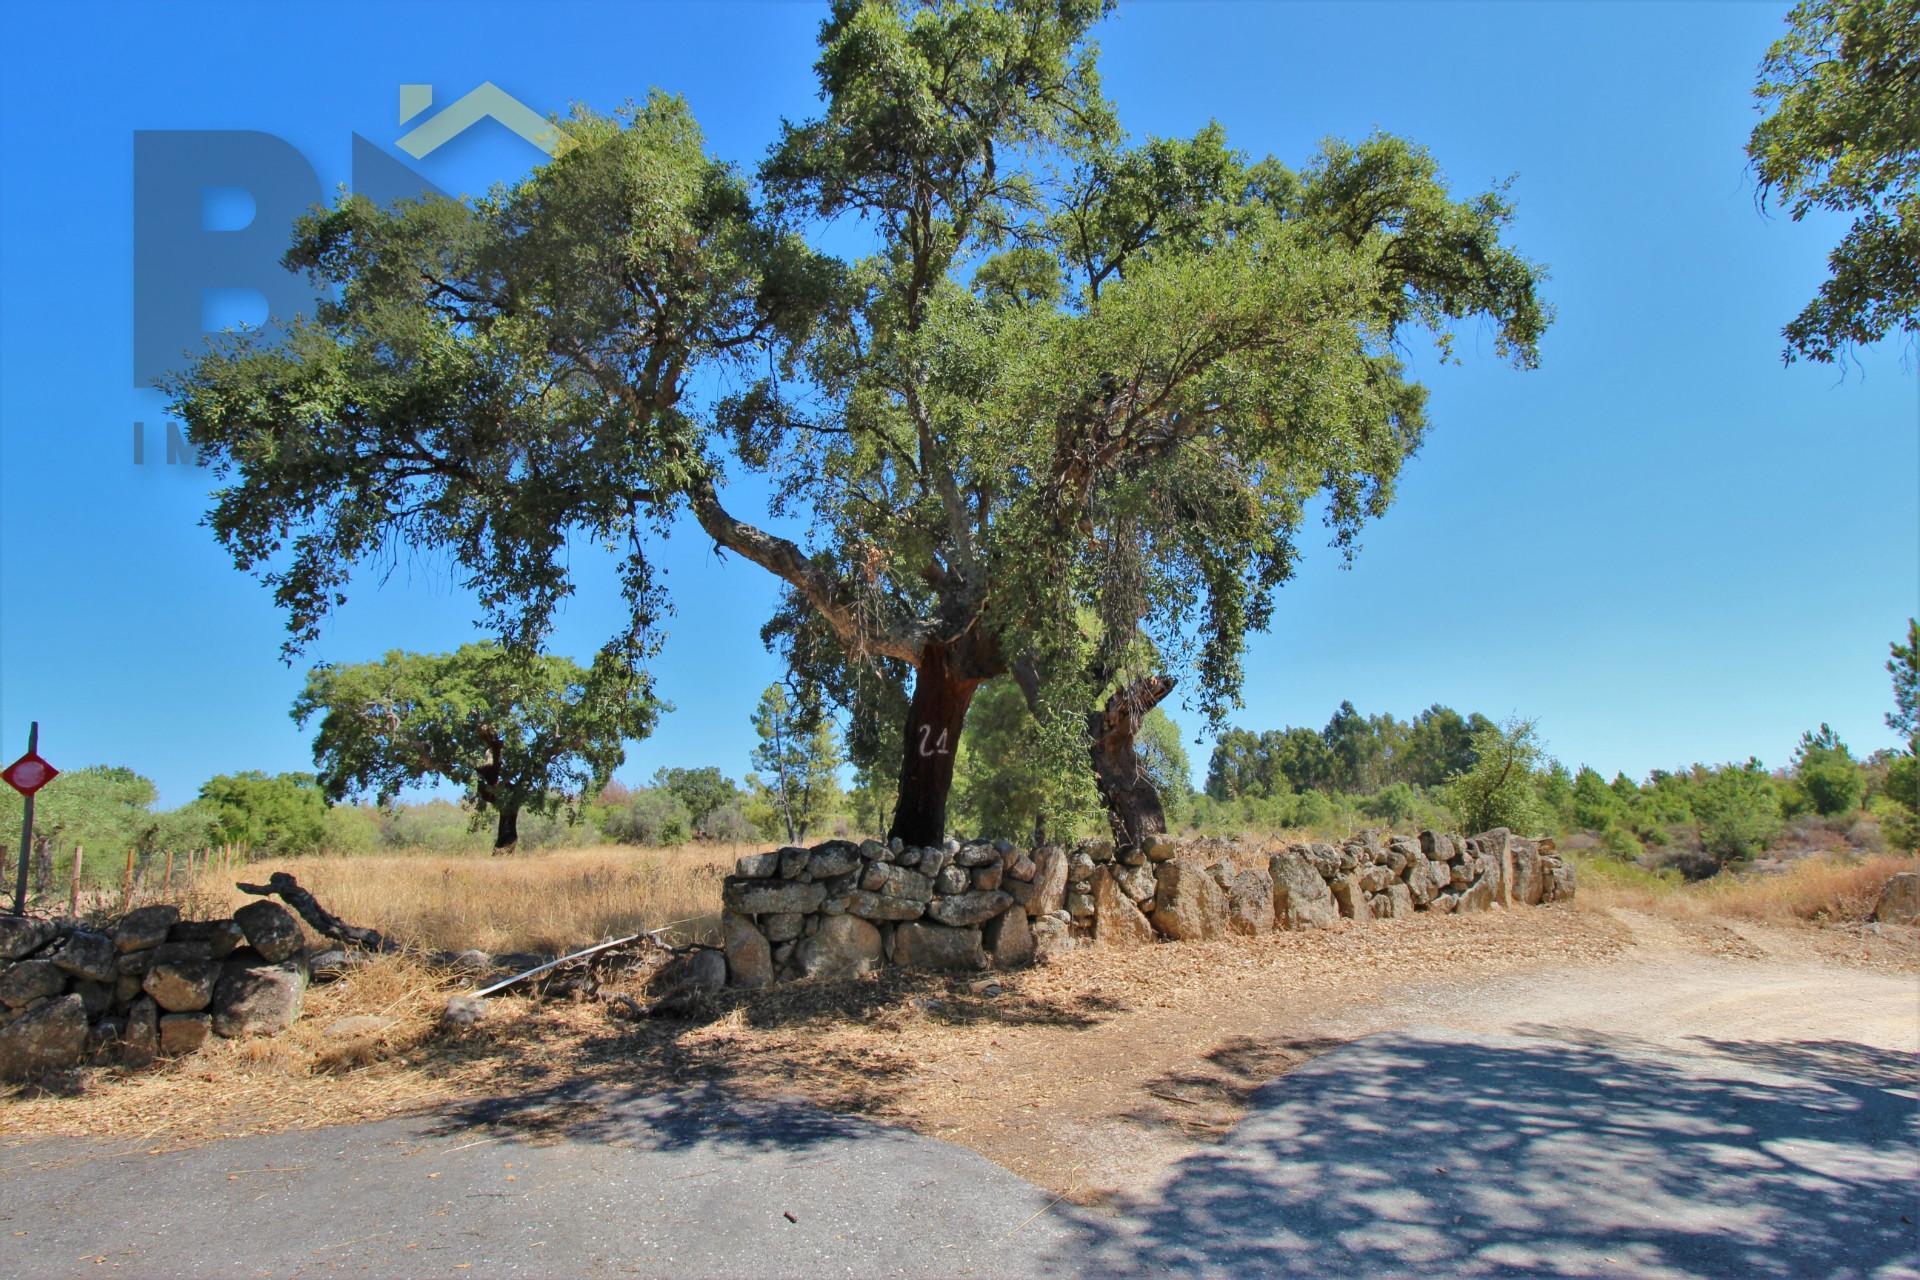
287, 889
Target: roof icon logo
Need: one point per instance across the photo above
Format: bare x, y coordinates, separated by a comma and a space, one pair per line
487, 101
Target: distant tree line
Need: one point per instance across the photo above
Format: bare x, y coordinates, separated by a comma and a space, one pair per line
1354, 754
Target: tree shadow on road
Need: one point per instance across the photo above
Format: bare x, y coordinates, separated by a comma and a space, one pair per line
1202, 1102
822, 1057
1840, 1064
653, 1118
1428, 1152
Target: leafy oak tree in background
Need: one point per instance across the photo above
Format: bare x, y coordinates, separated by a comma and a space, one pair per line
1841, 136
704, 791
515, 733
1075, 377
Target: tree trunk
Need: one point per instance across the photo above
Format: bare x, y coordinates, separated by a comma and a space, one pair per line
1133, 802
935, 717
507, 834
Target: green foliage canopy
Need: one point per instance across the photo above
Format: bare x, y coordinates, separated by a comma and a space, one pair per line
797, 760
1076, 370
704, 791
513, 732
1904, 667
1826, 769
492, 380
650, 816
1353, 754
1842, 136
283, 815
1739, 810
1000, 790
1501, 788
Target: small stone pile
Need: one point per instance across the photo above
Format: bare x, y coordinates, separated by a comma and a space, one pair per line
840, 909
155, 984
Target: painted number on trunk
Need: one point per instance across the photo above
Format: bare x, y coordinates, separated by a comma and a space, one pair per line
937, 747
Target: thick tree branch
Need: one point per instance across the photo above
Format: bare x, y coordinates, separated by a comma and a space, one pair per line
784, 560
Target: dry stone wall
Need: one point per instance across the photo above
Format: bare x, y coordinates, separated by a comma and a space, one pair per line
152, 985
840, 909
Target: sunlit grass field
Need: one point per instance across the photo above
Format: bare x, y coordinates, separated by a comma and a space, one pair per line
545, 902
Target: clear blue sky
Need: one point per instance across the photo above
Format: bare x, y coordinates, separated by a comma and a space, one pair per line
1663, 544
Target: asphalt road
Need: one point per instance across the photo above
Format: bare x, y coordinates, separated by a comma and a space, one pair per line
673, 1184
1429, 1153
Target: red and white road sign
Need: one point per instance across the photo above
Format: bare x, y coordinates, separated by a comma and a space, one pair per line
29, 773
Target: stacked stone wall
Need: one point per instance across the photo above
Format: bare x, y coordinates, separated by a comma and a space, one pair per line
840, 909
152, 985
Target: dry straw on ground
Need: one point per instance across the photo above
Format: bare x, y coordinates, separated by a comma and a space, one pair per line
550, 902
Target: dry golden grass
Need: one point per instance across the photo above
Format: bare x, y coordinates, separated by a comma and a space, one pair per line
548, 902
1822, 888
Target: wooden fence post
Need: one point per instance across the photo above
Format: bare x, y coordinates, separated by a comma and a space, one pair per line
126, 885
166, 878
43, 866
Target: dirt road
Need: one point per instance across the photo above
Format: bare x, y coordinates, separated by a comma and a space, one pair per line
1686, 986
1711, 1102
1155, 1082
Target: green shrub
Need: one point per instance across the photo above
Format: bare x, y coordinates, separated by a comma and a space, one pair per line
1621, 843
1314, 811
1834, 785
1827, 771
352, 828
285, 814
1502, 787
728, 824
558, 828
1594, 805
651, 816
1739, 811
1397, 804
432, 826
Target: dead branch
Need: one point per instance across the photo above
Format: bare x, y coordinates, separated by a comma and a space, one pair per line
288, 890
